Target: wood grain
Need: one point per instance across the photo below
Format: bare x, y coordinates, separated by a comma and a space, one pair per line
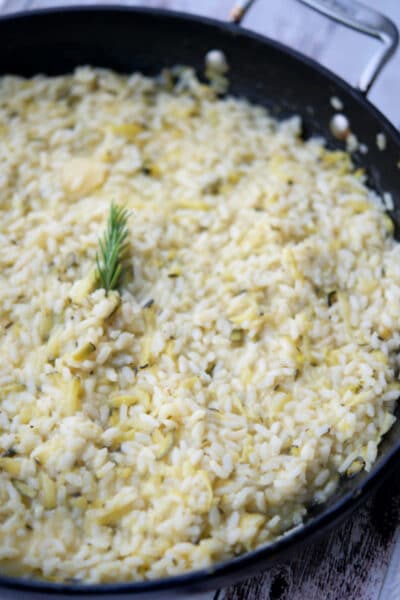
360, 560
350, 564
391, 585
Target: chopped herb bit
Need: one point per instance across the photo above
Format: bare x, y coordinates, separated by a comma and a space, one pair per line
332, 297
237, 336
210, 368
173, 275
149, 303
213, 187
10, 453
144, 366
146, 170
112, 248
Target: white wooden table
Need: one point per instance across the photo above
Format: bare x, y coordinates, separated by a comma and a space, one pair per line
360, 560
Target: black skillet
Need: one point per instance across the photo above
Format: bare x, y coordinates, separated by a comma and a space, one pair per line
126, 39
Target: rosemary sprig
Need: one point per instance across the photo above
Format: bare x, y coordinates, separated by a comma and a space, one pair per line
112, 247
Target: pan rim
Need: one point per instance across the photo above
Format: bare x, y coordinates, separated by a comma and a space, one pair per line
207, 578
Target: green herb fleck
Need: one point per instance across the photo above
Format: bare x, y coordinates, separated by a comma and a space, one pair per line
210, 368
332, 298
237, 336
112, 248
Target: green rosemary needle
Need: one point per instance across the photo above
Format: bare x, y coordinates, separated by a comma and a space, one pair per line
112, 248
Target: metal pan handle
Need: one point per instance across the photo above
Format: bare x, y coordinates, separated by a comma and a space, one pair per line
355, 15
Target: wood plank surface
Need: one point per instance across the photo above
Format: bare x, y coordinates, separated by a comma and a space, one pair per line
361, 559
350, 564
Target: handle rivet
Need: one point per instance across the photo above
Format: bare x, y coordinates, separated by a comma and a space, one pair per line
216, 61
340, 126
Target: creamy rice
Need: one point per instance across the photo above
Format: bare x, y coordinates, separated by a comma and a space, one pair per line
248, 360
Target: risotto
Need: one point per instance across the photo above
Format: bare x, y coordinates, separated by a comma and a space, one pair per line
247, 359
